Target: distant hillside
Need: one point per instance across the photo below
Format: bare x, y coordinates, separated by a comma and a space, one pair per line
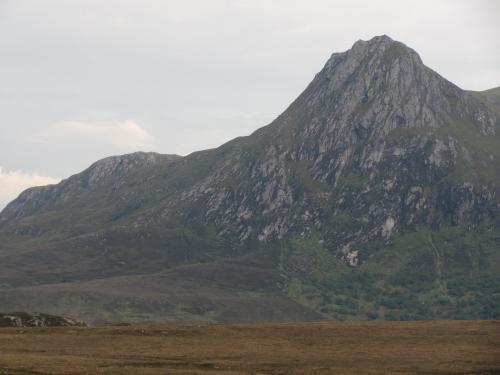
375, 195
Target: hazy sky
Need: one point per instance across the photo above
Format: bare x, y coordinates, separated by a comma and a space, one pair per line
84, 79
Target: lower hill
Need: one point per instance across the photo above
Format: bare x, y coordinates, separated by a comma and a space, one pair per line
301, 282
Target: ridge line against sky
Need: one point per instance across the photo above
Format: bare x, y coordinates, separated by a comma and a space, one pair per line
86, 79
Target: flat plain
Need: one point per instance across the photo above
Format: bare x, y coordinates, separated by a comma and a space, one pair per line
426, 347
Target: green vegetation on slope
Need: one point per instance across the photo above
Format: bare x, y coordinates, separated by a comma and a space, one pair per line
447, 274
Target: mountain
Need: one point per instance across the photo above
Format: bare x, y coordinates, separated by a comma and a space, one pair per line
375, 195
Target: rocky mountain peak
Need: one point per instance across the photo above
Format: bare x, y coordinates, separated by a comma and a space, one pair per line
376, 87
375, 57
380, 50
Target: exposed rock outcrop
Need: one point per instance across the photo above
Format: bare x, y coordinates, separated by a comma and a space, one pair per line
22, 319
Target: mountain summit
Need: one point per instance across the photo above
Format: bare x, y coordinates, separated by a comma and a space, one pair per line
374, 195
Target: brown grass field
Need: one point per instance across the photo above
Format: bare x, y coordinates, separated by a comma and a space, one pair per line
437, 347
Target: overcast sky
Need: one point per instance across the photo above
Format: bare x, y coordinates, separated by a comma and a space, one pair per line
84, 79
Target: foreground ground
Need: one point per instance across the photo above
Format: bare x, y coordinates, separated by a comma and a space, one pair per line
441, 347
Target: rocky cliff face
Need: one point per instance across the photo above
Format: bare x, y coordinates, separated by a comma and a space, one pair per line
377, 138
378, 148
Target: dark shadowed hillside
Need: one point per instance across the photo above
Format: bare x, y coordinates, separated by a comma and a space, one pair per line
375, 195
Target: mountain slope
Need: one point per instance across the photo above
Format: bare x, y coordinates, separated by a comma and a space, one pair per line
375, 194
